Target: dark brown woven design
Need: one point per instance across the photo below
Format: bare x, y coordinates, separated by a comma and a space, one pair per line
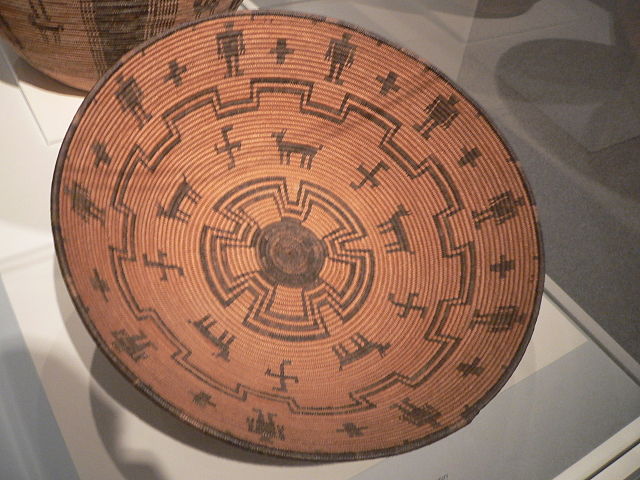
307, 242
76, 41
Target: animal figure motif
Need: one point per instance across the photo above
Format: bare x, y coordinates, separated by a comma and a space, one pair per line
307, 152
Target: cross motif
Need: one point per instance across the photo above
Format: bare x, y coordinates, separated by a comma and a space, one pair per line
175, 73
281, 51
388, 83
369, 176
469, 157
203, 399
352, 430
472, 368
503, 266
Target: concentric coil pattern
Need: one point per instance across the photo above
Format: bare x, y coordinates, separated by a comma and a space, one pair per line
297, 237
76, 41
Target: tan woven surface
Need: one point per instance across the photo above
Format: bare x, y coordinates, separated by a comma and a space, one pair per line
76, 41
297, 237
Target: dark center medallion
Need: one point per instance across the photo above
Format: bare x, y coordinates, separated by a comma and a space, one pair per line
290, 254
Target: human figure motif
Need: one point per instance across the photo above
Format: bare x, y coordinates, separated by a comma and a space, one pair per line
341, 53
501, 208
129, 95
440, 113
230, 46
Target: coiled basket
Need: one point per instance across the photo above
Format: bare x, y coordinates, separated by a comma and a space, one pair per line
76, 41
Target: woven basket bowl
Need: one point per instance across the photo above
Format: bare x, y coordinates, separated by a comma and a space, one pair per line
297, 237
76, 41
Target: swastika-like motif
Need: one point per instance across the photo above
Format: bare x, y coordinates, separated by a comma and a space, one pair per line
160, 264
282, 376
369, 176
409, 306
228, 147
